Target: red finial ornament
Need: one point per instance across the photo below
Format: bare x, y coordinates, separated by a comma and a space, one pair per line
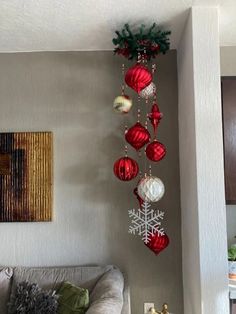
155, 116
138, 77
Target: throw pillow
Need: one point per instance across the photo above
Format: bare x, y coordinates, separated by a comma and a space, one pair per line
107, 295
29, 298
5, 287
72, 299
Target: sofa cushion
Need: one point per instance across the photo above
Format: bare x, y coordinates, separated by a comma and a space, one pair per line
72, 299
107, 295
5, 287
51, 278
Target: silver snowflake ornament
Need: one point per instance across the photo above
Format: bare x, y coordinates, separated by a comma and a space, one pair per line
146, 222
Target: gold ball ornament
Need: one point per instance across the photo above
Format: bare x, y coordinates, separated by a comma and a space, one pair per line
148, 91
122, 104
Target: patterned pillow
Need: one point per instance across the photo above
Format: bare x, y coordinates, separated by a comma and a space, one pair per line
29, 298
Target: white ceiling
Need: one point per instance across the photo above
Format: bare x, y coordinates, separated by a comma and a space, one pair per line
39, 25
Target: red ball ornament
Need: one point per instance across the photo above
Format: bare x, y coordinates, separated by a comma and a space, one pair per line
158, 243
126, 168
138, 77
137, 136
155, 151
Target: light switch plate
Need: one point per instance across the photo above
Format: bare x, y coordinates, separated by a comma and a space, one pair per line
147, 307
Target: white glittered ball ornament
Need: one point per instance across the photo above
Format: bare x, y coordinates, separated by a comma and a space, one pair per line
122, 104
148, 91
151, 189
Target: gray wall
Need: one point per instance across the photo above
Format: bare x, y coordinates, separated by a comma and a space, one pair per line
228, 68
71, 94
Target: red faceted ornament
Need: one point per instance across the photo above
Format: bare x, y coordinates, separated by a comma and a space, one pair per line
126, 168
155, 151
137, 136
155, 117
140, 200
158, 243
138, 77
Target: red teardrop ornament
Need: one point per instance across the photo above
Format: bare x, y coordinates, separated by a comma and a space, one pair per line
137, 136
140, 200
158, 243
155, 117
138, 77
126, 168
155, 151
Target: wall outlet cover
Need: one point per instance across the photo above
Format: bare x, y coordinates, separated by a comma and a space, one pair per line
147, 307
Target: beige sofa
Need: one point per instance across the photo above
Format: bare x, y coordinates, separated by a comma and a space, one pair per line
109, 292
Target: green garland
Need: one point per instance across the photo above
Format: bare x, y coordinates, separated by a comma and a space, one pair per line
146, 42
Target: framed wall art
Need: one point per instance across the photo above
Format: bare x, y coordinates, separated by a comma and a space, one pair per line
26, 176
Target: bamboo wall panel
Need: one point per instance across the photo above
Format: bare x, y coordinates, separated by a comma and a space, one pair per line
26, 176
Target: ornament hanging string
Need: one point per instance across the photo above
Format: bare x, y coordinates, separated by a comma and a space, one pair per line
146, 122
123, 84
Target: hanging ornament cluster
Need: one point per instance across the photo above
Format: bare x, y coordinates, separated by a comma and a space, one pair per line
142, 46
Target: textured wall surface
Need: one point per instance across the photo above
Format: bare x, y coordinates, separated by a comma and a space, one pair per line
89, 25
228, 68
201, 167
82, 25
71, 94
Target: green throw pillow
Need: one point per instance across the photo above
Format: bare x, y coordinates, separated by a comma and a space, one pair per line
72, 299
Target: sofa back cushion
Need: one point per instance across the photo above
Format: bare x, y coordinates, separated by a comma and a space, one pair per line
52, 277
5, 287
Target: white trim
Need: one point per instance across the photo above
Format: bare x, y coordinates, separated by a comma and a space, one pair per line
204, 237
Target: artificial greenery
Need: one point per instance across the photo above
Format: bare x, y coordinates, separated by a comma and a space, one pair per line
147, 42
232, 253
